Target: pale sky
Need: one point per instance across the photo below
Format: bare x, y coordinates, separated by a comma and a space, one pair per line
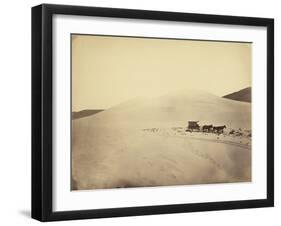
109, 70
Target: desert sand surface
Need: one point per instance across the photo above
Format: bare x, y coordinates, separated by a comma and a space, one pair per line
143, 142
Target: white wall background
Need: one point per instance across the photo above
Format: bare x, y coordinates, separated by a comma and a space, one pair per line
15, 104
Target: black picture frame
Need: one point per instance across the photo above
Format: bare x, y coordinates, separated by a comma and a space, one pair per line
42, 107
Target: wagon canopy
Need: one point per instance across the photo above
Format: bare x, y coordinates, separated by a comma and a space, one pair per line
193, 123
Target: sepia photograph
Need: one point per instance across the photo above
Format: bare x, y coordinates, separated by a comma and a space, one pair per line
150, 112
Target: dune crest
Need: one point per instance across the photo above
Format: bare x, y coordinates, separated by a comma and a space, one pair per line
178, 108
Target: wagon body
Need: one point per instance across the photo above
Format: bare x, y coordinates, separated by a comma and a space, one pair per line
193, 125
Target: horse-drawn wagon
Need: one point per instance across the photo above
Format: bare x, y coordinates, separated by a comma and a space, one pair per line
193, 125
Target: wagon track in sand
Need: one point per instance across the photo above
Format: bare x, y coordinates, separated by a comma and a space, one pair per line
200, 154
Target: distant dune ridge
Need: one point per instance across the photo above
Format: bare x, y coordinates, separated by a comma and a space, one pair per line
84, 113
244, 95
109, 149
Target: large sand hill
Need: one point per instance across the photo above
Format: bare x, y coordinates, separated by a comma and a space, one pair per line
110, 149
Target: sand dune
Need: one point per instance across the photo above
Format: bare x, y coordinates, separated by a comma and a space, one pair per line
110, 150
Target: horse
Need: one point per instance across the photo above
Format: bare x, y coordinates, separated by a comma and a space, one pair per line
218, 129
207, 128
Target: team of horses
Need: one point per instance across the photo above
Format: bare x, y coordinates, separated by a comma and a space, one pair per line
207, 128
211, 128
